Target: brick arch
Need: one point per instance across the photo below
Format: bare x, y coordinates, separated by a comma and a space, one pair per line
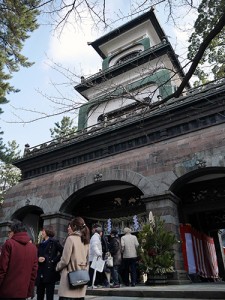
23, 211
24, 205
131, 177
134, 178
213, 172
201, 198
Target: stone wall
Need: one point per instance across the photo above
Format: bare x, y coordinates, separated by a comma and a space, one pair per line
153, 169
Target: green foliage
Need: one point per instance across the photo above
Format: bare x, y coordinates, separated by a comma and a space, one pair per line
9, 174
63, 129
11, 152
17, 19
156, 248
209, 13
2, 146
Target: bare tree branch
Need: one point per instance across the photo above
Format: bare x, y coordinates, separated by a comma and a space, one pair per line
208, 39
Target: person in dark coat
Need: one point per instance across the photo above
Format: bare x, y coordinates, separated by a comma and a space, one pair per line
18, 264
115, 251
49, 254
105, 275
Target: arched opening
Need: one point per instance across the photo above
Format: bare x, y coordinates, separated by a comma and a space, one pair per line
30, 216
202, 194
102, 201
202, 207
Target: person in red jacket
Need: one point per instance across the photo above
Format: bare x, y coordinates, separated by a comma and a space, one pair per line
18, 264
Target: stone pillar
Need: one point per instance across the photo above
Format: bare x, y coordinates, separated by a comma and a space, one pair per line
166, 206
59, 222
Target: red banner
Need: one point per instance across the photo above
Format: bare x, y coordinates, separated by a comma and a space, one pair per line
199, 252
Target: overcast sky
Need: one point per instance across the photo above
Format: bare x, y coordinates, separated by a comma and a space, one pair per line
70, 50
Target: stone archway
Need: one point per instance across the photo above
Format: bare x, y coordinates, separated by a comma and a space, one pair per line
202, 195
30, 216
114, 200
202, 204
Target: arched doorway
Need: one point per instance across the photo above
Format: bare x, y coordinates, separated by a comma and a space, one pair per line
202, 206
112, 203
30, 216
202, 194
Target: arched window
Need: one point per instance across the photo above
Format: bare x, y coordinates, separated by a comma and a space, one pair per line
128, 56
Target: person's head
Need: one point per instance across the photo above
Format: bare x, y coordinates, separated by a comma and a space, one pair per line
15, 227
127, 230
47, 232
114, 232
97, 228
78, 224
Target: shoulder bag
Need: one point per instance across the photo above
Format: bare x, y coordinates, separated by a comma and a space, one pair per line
98, 264
109, 260
78, 278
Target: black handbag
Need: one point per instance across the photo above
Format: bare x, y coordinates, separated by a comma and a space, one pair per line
78, 278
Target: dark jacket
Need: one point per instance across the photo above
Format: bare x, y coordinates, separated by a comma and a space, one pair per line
115, 250
18, 267
51, 250
105, 246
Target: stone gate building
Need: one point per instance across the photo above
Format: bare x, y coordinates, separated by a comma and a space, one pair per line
130, 157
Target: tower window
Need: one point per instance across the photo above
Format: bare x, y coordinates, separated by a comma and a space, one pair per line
128, 56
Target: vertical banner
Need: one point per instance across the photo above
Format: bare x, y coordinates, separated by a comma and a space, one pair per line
187, 249
211, 257
199, 253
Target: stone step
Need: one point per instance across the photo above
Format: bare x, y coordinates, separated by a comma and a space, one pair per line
165, 292
191, 291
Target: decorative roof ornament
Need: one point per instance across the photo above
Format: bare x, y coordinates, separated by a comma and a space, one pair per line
200, 163
27, 202
98, 177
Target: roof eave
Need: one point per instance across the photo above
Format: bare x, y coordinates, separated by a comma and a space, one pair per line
149, 15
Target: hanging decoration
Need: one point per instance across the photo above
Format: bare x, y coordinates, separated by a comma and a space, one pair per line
109, 225
151, 219
120, 223
136, 225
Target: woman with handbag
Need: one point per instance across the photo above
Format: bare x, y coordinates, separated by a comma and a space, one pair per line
74, 257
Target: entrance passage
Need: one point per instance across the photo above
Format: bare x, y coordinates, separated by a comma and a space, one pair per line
201, 213
112, 203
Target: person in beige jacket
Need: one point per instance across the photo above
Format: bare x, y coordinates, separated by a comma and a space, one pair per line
129, 244
74, 257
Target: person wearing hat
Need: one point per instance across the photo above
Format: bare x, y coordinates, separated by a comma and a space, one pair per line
115, 251
95, 252
129, 244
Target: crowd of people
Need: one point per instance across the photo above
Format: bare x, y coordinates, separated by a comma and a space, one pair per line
26, 268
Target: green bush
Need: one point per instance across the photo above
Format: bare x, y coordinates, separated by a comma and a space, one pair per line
156, 248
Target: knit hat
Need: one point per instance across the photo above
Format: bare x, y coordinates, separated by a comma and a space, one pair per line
127, 230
